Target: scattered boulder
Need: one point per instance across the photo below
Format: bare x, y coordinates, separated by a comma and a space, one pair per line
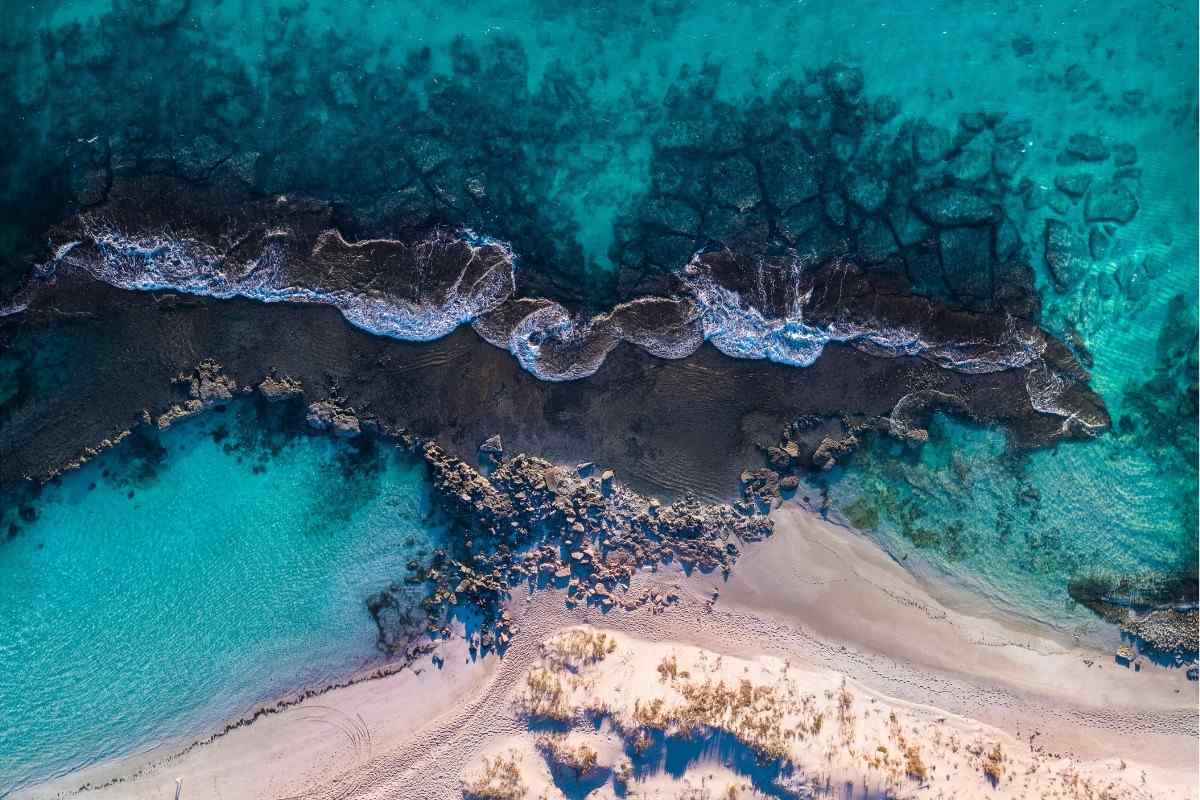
1082, 147
1060, 250
492, 447
952, 205
1110, 201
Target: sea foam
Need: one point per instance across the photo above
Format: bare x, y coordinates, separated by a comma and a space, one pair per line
546, 339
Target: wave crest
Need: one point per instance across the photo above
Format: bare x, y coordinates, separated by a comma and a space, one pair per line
783, 312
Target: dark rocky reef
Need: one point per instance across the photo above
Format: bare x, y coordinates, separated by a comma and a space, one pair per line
815, 165
673, 425
1157, 610
532, 522
874, 356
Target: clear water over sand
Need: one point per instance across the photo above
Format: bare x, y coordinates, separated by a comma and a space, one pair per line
160, 592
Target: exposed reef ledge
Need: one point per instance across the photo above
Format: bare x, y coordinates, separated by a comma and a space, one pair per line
669, 425
156, 232
530, 521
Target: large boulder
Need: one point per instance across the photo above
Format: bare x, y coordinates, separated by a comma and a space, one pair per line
1110, 201
967, 261
1061, 248
954, 206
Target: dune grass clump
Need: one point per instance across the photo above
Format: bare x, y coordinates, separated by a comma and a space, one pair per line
577, 648
993, 765
750, 713
499, 779
579, 758
543, 696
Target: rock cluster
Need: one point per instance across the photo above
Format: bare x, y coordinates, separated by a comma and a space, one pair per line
275, 388
820, 170
1158, 610
532, 521
1167, 630
1094, 195
326, 415
205, 386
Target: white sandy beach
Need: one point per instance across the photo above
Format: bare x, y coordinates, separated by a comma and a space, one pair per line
816, 604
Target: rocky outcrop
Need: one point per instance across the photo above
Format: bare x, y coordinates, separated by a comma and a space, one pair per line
326, 415
534, 521
205, 386
830, 450
275, 388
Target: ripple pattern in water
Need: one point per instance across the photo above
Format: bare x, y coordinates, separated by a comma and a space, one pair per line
172, 584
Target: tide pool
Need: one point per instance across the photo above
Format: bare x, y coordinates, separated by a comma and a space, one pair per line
176, 581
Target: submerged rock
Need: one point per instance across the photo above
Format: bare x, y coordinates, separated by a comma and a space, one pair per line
1061, 253
953, 206
1098, 243
1074, 184
1110, 201
1124, 154
1083, 147
931, 143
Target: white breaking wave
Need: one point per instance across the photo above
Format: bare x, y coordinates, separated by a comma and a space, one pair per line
741, 331
165, 260
547, 341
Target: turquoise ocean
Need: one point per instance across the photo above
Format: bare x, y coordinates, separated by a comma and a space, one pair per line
174, 583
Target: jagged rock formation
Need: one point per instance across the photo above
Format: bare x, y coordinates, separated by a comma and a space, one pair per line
531, 521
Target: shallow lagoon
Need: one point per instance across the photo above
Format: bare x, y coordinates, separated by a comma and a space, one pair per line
160, 592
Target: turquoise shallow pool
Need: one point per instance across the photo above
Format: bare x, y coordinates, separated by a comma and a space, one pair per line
127, 620
161, 591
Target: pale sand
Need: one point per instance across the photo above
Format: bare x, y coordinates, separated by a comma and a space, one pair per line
821, 598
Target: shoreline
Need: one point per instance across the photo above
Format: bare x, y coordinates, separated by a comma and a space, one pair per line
977, 667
